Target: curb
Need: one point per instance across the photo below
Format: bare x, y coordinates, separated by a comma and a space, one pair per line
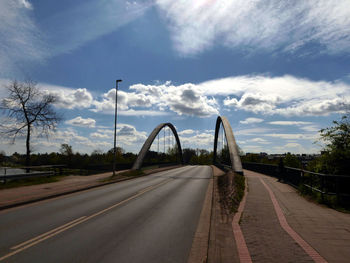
200, 244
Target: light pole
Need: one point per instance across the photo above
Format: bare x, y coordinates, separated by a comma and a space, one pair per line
115, 124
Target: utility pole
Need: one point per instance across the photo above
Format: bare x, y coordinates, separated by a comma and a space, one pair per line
115, 124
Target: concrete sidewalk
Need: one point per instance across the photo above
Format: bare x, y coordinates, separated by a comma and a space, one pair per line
325, 230
69, 184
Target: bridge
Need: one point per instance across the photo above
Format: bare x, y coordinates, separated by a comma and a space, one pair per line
176, 215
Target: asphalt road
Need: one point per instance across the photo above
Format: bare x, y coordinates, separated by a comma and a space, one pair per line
148, 219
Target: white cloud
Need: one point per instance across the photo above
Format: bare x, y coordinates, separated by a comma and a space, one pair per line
292, 145
186, 99
253, 148
81, 122
126, 100
79, 98
272, 25
26, 4
251, 120
186, 132
132, 112
318, 107
20, 40
285, 95
127, 135
200, 140
303, 125
100, 135
293, 136
253, 131
68, 98
311, 128
259, 140
292, 123
295, 148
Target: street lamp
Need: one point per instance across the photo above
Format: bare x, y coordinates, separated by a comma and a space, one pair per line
115, 124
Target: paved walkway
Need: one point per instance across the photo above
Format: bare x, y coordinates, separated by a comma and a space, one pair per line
315, 233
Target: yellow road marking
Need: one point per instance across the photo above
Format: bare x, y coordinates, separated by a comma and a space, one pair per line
27, 244
47, 233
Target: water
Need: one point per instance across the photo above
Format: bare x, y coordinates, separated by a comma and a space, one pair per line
11, 171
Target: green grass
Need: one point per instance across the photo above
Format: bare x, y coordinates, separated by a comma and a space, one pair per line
328, 200
131, 173
29, 181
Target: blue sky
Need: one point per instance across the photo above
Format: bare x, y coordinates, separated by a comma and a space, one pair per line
278, 70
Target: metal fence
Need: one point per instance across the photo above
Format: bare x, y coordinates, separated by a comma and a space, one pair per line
326, 185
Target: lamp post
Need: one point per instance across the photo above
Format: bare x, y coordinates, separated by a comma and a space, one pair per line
115, 124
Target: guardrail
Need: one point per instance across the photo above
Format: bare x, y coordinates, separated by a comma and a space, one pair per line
326, 185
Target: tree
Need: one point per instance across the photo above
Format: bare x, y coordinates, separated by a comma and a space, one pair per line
2, 156
28, 108
187, 154
291, 160
66, 149
336, 155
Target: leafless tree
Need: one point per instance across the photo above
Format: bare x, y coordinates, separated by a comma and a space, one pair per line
27, 108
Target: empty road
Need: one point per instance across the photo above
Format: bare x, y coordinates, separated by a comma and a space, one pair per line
148, 219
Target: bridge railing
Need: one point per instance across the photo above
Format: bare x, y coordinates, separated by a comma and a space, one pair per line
328, 186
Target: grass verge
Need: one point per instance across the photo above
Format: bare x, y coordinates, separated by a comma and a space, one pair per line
30, 181
231, 188
328, 200
130, 173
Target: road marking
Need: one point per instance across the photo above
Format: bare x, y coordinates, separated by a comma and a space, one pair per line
243, 252
36, 240
47, 233
284, 224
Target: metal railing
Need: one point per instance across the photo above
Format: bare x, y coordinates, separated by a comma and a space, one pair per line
326, 185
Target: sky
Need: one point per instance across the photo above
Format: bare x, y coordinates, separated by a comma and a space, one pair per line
278, 70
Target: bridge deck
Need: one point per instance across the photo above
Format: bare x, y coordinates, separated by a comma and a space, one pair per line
326, 232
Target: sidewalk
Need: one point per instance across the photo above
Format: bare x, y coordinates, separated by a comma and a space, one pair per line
323, 229
69, 184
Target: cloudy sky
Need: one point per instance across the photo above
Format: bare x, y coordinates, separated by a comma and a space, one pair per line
278, 70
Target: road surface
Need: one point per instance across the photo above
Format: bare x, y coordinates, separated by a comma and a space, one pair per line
148, 219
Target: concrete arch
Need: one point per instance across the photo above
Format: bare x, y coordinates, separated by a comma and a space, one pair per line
232, 145
149, 141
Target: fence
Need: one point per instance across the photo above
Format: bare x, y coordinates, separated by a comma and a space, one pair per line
326, 185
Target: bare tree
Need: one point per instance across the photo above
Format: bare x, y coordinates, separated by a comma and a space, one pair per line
27, 108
